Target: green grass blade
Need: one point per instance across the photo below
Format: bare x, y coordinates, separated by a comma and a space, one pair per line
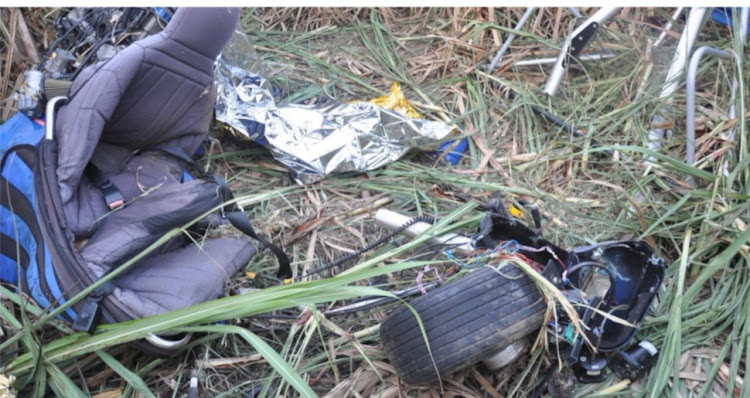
273, 357
62, 385
723, 260
131, 378
669, 357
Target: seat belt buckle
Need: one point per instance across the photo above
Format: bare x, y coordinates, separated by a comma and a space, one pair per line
113, 197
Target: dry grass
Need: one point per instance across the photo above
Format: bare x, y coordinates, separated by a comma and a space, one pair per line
439, 55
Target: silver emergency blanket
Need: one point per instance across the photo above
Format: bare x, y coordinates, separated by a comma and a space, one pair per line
314, 141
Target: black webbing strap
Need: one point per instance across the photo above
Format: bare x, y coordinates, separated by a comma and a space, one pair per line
240, 221
234, 214
179, 153
112, 195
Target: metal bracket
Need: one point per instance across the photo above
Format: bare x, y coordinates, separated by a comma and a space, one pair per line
582, 40
575, 43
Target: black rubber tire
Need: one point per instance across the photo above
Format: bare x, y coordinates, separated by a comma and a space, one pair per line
466, 321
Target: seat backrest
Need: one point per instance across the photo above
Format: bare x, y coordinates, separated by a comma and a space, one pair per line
171, 96
158, 91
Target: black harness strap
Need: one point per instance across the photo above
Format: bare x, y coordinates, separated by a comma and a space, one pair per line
235, 215
180, 154
240, 221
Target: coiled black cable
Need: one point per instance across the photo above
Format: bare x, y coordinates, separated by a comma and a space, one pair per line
379, 242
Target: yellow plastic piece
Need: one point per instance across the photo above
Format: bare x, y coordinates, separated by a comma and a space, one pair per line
395, 101
516, 212
250, 274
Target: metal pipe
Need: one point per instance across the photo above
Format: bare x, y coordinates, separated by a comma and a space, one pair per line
691, 76
558, 71
744, 19
668, 26
163, 341
49, 125
679, 61
545, 61
510, 38
575, 12
691, 90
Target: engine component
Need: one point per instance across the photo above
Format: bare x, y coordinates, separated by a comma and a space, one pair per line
88, 35
29, 97
635, 361
590, 368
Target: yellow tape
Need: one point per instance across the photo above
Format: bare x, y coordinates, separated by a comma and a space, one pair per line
395, 101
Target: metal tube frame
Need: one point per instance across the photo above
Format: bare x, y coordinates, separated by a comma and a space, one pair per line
691, 90
545, 61
575, 39
49, 125
671, 83
668, 26
511, 37
164, 341
736, 84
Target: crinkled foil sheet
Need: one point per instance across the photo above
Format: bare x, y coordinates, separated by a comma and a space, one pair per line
314, 141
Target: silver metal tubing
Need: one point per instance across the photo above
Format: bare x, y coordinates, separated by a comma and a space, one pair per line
575, 12
736, 84
545, 61
558, 71
510, 38
679, 61
165, 343
668, 26
49, 123
691, 76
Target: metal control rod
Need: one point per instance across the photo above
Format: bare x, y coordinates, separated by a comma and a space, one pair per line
545, 61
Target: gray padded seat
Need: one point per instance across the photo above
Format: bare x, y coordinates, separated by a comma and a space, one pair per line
158, 92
